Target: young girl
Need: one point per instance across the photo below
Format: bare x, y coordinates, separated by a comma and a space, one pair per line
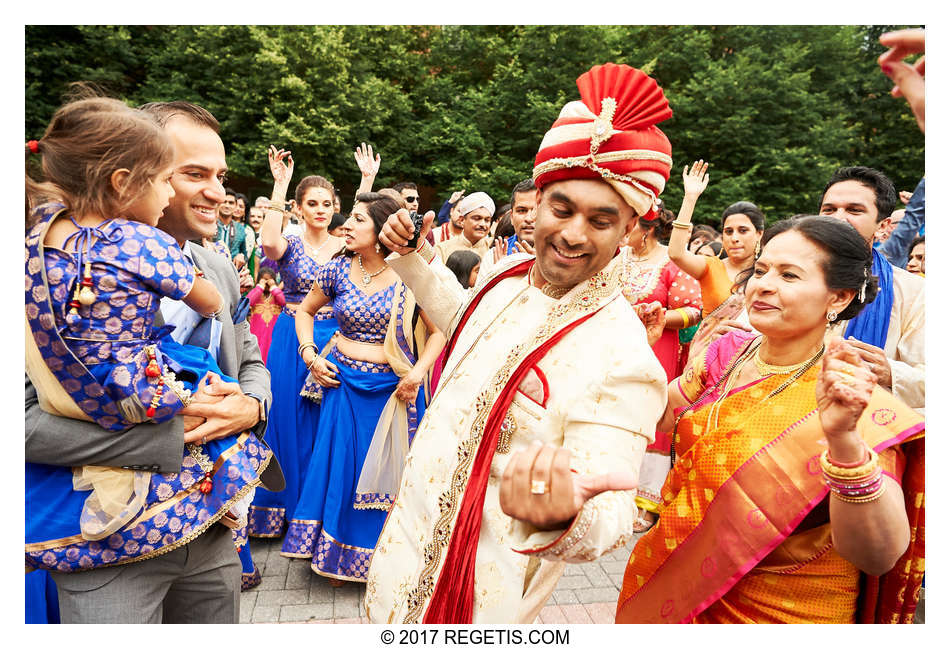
267, 301
96, 271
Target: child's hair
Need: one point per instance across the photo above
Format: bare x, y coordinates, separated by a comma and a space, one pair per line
461, 263
266, 270
86, 141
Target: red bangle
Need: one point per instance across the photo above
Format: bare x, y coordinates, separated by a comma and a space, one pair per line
851, 465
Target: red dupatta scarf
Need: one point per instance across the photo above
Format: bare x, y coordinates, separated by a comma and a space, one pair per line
739, 491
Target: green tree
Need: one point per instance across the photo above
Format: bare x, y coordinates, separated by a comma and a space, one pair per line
775, 109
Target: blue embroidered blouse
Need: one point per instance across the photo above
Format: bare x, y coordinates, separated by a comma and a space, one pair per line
362, 317
297, 269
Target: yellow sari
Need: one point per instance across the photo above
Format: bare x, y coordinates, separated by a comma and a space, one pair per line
743, 534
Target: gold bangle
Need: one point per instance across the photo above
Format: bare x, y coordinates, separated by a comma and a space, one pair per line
863, 471
685, 317
274, 205
682, 226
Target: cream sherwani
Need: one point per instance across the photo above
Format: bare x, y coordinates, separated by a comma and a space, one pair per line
605, 391
443, 232
460, 242
904, 346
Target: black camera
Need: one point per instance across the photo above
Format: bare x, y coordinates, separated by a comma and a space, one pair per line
416, 229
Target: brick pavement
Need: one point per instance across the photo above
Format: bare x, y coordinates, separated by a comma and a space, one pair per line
291, 592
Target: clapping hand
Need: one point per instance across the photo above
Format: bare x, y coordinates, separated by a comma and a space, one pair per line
525, 247
364, 160
499, 249
653, 317
281, 165
696, 179
843, 388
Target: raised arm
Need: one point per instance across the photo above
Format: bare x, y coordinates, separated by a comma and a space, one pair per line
897, 246
272, 242
694, 183
873, 534
437, 290
368, 167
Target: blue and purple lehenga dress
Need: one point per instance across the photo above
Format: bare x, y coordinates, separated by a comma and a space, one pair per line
333, 524
95, 354
293, 419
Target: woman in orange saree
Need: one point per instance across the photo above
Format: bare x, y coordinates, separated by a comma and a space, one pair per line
747, 531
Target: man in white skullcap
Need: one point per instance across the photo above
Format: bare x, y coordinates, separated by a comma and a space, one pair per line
475, 211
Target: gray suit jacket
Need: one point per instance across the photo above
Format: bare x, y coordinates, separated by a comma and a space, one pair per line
155, 447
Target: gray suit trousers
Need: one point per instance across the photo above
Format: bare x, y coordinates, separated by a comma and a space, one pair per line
199, 582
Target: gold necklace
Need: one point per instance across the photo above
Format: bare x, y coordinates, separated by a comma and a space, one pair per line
555, 292
368, 277
639, 258
764, 368
730, 377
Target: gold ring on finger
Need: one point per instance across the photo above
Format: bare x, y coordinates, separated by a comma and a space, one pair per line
539, 487
847, 369
847, 379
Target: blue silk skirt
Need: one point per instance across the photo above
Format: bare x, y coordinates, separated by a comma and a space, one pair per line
291, 424
326, 527
42, 602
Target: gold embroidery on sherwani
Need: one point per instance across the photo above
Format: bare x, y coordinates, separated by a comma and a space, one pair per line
602, 285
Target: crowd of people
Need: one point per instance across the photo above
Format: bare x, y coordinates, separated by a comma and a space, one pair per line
451, 406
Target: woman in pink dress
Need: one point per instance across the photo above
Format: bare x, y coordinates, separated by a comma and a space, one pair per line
267, 301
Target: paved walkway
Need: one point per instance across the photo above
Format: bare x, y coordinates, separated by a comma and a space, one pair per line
291, 592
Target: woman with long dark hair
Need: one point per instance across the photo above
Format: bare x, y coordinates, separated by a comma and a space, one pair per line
374, 394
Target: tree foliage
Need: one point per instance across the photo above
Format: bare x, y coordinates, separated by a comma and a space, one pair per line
775, 109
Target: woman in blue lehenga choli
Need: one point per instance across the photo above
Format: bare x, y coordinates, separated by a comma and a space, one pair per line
374, 395
293, 419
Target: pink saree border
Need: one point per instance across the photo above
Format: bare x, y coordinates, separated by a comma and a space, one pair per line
812, 492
